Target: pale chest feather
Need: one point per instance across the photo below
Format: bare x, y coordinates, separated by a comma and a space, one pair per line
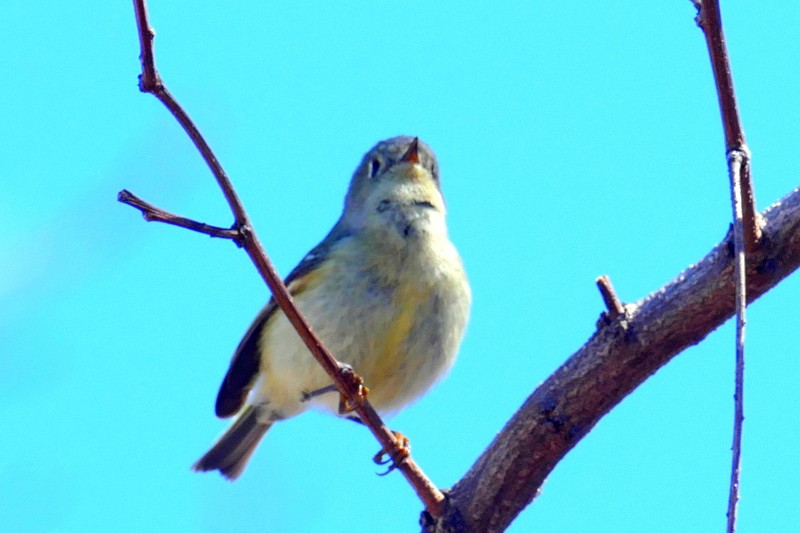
396, 318
414, 308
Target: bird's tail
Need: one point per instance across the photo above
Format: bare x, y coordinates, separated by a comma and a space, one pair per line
232, 451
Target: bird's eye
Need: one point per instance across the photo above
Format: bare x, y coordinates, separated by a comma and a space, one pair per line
374, 167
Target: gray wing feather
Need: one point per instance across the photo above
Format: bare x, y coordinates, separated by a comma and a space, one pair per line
246, 360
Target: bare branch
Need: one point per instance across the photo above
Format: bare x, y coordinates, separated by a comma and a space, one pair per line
746, 228
614, 306
735, 166
710, 21
150, 82
613, 362
348, 384
153, 214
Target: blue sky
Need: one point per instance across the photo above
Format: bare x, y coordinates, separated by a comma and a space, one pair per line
573, 142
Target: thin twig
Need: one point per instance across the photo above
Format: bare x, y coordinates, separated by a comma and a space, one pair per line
610, 298
710, 21
746, 227
152, 213
735, 166
347, 383
150, 82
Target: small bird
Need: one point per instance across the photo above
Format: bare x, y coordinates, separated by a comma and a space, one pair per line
385, 290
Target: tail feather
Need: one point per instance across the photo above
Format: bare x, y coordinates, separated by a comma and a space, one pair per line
232, 451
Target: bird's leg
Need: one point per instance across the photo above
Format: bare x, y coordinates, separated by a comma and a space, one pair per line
307, 395
358, 391
355, 384
401, 452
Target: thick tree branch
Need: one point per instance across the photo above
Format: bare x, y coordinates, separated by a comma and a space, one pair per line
348, 384
614, 361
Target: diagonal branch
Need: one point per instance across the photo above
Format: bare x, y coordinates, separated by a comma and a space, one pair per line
348, 384
152, 213
612, 363
150, 82
624, 353
613, 305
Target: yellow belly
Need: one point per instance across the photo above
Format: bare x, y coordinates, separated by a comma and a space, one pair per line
384, 369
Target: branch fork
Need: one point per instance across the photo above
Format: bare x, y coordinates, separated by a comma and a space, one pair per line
241, 232
602, 372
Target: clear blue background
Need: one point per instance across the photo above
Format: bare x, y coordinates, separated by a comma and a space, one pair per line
573, 142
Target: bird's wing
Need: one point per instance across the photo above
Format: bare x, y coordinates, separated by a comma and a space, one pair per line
246, 360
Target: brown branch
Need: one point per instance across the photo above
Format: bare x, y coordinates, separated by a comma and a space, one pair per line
152, 213
346, 382
710, 21
150, 82
613, 362
613, 305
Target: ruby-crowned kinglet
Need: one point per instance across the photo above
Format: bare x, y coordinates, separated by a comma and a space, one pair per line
385, 290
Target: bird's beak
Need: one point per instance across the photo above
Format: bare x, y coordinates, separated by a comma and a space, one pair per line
412, 154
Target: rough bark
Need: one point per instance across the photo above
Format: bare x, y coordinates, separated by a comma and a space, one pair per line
619, 356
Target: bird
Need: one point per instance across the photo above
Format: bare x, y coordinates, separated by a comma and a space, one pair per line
386, 292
